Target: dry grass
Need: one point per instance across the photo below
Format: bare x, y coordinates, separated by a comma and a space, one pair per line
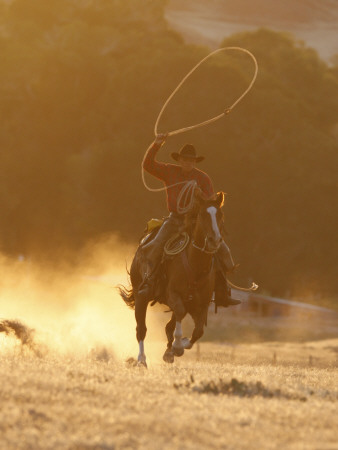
98, 402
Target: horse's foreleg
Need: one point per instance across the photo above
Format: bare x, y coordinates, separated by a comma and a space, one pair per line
169, 329
141, 329
178, 347
198, 330
175, 345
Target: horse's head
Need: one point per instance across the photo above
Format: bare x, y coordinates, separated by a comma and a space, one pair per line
209, 222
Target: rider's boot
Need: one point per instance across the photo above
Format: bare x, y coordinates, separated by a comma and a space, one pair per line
223, 292
226, 265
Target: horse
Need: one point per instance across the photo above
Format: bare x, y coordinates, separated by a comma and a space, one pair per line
189, 280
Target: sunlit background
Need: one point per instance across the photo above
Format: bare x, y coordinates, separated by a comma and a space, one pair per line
81, 84
74, 312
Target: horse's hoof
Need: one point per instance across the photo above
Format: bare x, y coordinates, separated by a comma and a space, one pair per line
178, 351
141, 361
142, 364
168, 356
131, 362
187, 345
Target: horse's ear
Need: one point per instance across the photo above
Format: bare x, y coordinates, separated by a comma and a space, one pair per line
220, 198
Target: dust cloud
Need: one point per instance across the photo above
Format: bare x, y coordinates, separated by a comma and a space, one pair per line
73, 310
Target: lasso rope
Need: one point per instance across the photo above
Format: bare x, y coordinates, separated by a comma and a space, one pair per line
186, 197
253, 287
174, 246
226, 111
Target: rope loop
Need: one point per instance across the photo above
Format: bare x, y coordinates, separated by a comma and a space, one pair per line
176, 244
227, 111
186, 196
185, 199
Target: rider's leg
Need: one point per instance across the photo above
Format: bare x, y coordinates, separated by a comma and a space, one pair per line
225, 259
226, 264
153, 254
223, 292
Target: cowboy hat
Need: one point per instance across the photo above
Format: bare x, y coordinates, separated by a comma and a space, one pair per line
187, 151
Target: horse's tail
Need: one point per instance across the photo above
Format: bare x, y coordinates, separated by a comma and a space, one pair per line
127, 295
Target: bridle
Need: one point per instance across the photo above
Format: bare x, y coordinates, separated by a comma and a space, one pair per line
194, 279
204, 248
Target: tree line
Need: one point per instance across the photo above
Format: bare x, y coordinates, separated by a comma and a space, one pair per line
81, 84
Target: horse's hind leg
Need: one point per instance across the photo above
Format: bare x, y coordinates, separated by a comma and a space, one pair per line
169, 329
141, 329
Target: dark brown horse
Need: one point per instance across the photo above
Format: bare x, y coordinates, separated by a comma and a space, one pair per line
190, 280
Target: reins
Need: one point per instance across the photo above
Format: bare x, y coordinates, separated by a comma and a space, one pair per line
204, 248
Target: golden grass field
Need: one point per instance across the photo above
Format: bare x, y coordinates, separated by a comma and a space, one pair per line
70, 387
97, 401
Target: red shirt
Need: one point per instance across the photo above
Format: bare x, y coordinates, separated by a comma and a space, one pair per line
172, 174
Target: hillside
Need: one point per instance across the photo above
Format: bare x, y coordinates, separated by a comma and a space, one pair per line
208, 22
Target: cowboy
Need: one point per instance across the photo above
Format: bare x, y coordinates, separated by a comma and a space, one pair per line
174, 176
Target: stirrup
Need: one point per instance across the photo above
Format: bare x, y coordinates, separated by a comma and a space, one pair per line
234, 268
228, 302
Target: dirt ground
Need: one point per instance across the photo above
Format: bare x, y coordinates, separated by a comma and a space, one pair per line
250, 396
65, 383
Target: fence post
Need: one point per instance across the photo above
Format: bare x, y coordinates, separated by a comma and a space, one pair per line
198, 351
274, 358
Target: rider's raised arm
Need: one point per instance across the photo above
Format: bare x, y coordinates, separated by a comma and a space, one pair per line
150, 165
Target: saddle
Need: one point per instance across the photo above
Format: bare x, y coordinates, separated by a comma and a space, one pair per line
153, 225
173, 246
